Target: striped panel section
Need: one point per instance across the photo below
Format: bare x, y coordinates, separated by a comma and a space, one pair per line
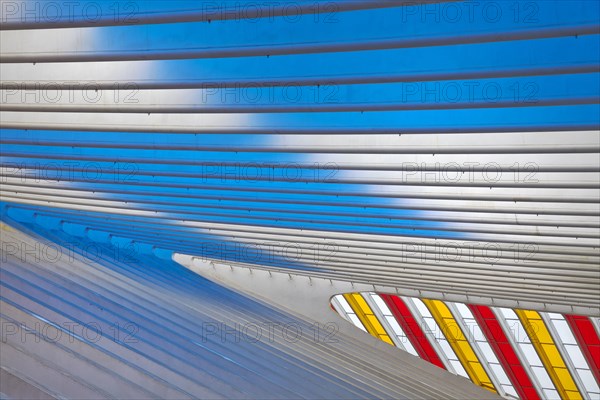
588, 341
505, 352
412, 328
459, 343
515, 331
522, 353
549, 354
466, 321
434, 333
343, 308
366, 316
389, 323
572, 355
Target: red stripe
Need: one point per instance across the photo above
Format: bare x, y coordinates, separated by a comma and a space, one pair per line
504, 351
588, 340
412, 329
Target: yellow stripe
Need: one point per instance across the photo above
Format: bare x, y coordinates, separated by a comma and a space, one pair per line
6, 227
459, 343
546, 348
366, 316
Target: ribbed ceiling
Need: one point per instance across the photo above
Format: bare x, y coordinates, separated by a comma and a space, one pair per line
446, 147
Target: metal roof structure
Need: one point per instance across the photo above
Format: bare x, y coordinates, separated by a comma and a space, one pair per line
439, 150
